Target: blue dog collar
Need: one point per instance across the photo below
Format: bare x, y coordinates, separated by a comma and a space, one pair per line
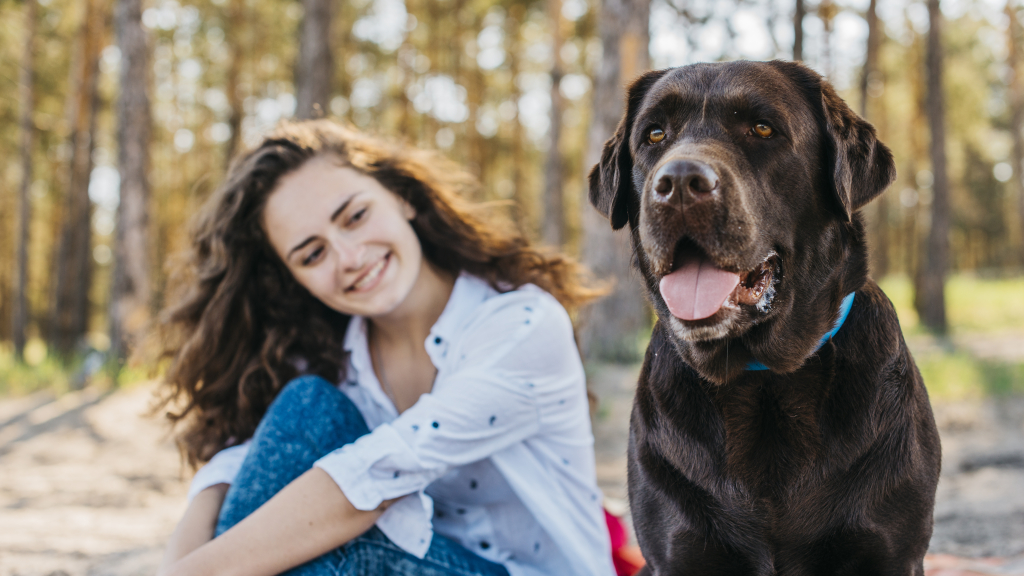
844, 311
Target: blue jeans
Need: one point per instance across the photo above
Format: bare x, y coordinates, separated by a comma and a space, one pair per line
308, 419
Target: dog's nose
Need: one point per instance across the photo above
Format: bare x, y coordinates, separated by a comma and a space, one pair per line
680, 177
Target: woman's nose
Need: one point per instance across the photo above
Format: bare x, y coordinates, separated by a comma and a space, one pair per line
350, 254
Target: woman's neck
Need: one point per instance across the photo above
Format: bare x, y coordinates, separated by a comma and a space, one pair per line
409, 324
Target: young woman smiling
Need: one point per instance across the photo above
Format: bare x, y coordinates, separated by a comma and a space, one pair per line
382, 377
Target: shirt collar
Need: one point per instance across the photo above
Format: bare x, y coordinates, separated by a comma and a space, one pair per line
467, 294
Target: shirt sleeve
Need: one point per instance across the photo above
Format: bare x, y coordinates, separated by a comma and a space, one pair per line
221, 469
504, 367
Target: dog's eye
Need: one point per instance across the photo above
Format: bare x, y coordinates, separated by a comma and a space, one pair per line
655, 135
763, 130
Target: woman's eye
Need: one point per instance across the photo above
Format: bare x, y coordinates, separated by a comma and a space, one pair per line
357, 216
763, 130
655, 135
312, 256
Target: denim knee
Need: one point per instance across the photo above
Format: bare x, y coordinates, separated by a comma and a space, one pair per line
308, 399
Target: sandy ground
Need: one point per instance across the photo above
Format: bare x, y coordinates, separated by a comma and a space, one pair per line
90, 487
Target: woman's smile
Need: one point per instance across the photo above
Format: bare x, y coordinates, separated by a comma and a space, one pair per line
370, 278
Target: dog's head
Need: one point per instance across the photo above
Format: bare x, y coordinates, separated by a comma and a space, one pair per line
741, 183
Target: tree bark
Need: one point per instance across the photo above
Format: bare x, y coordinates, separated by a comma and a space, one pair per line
798, 30
236, 24
1016, 98
880, 248
870, 58
73, 262
553, 230
130, 293
522, 200
20, 320
610, 328
932, 302
314, 73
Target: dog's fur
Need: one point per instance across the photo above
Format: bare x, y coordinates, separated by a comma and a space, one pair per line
827, 462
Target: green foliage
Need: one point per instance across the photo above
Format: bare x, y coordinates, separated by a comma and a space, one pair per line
973, 304
978, 308
18, 378
958, 375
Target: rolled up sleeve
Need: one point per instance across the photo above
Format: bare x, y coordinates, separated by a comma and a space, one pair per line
221, 469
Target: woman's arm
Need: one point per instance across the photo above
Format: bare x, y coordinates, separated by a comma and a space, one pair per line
196, 526
309, 517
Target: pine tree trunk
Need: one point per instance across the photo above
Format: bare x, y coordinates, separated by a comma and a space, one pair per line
235, 27
1016, 98
73, 262
932, 302
25, 209
522, 200
798, 30
130, 293
880, 243
610, 327
553, 229
314, 73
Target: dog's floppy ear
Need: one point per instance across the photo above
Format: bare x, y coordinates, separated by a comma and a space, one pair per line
862, 167
611, 183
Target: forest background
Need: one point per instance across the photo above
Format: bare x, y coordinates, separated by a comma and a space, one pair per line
119, 118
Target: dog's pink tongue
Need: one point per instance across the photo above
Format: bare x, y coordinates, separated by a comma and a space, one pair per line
697, 289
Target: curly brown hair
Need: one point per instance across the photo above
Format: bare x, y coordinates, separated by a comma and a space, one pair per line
238, 325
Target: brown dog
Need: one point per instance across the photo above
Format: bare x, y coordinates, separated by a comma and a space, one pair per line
780, 425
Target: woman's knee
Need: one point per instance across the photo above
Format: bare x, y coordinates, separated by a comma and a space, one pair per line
307, 389
308, 399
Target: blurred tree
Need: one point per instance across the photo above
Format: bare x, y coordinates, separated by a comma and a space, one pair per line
1016, 101
314, 71
520, 195
130, 290
870, 76
235, 29
798, 30
827, 11
24, 200
932, 301
553, 230
73, 262
611, 326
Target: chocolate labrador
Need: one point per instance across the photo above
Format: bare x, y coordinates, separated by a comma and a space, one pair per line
780, 425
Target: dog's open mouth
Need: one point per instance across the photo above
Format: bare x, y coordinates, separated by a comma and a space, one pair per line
697, 288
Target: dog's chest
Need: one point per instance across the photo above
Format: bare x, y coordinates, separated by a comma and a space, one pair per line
772, 432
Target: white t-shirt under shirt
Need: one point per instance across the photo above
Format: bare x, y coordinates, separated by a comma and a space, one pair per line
498, 456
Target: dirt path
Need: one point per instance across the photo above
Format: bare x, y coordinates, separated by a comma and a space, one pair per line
87, 487
90, 488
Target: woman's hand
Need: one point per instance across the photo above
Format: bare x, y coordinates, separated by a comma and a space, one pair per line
306, 519
196, 526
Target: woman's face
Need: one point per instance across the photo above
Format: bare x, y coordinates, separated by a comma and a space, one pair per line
344, 237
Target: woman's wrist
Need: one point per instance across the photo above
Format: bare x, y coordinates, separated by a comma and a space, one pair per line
197, 525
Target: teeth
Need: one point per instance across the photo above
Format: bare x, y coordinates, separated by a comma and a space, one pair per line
369, 276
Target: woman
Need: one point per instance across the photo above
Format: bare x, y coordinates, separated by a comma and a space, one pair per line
435, 418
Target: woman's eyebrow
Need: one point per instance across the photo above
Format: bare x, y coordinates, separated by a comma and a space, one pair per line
336, 213
334, 216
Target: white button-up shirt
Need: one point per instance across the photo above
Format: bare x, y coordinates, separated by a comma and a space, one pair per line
498, 456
